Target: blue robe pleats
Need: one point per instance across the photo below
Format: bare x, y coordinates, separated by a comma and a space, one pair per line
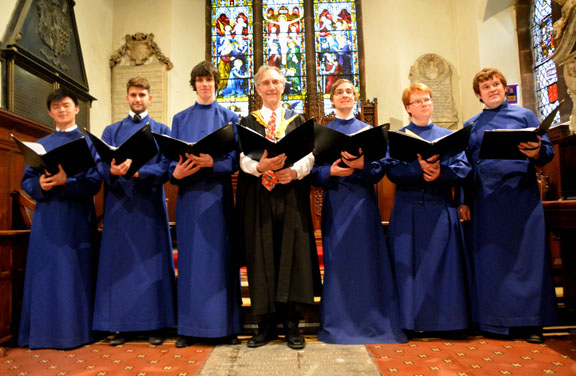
359, 301
427, 244
511, 277
208, 279
136, 287
58, 298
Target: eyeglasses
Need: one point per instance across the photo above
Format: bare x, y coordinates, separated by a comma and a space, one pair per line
420, 102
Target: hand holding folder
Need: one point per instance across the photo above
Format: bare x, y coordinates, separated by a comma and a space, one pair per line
406, 147
503, 143
217, 143
295, 145
140, 148
74, 156
329, 143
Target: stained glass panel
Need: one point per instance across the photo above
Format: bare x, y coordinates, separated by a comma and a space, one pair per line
544, 67
336, 44
546, 88
283, 39
232, 52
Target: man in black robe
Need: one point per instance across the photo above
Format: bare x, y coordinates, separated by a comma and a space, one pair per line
276, 224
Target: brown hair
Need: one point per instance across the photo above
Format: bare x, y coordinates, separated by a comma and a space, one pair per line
485, 75
204, 69
140, 82
339, 82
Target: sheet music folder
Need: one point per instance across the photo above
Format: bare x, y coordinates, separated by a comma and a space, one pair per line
217, 143
74, 156
404, 147
295, 144
503, 143
140, 147
329, 143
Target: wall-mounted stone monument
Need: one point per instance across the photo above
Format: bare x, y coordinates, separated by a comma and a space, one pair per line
140, 56
435, 72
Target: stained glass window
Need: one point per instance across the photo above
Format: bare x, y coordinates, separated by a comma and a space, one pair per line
336, 45
232, 52
333, 35
283, 31
543, 47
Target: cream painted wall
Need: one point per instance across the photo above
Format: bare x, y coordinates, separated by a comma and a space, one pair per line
396, 33
95, 36
499, 46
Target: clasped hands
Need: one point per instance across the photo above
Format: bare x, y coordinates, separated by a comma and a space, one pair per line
276, 164
47, 181
192, 165
352, 161
430, 167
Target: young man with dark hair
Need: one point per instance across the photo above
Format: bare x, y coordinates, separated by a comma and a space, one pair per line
135, 292
208, 283
59, 284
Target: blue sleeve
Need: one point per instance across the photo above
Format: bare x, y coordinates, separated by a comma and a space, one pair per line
155, 172
455, 168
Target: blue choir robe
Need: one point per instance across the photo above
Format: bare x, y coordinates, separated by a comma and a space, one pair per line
136, 287
427, 242
58, 298
511, 278
209, 297
359, 301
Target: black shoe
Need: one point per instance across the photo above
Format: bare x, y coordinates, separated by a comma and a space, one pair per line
119, 339
232, 340
155, 339
183, 341
261, 339
534, 338
295, 339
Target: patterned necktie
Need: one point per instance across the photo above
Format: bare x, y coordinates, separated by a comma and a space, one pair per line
269, 179
137, 118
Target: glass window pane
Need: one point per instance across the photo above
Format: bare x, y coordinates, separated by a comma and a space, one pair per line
232, 52
336, 44
283, 38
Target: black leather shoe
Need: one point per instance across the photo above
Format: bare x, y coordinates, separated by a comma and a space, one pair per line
155, 339
295, 339
232, 340
534, 338
119, 339
261, 339
183, 341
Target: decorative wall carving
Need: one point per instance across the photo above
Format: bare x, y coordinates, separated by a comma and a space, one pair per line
565, 52
435, 72
135, 58
139, 48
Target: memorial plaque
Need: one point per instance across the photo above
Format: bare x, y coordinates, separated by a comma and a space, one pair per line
156, 74
30, 93
436, 73
317, 359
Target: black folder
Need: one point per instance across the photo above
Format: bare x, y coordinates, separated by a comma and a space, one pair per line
140, 147
217, 143
74, 156
329, 143
295, 144
404, 147
503, 143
